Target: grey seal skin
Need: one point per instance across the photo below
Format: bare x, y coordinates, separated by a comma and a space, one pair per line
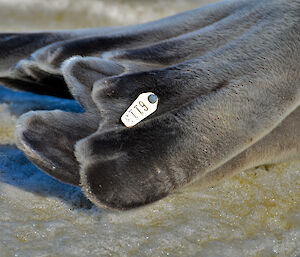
228, 80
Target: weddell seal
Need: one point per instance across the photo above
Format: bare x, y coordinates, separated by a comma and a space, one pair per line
227, 78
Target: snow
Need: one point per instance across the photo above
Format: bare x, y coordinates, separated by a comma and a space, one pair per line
255, 213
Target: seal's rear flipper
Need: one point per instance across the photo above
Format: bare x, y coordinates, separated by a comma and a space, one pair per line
48, 137
60, 131
19, 46
19, 70
32, 61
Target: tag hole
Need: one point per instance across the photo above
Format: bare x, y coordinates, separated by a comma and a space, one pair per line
152, 98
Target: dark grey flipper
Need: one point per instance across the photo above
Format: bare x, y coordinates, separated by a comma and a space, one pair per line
32, 61
17, 46
256, 88
212, 107
48, 137
17, 68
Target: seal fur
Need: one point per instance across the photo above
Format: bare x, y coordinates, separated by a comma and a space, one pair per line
228, 79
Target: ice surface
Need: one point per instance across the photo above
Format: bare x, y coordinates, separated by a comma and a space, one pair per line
255, 213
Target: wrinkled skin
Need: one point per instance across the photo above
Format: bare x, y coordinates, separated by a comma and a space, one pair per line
228, 81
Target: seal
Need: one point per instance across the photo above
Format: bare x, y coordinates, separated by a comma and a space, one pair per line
227, 77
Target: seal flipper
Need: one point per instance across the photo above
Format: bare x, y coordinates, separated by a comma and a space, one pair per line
32, 61
192, 44
19, 70
17, 46
52, 56
60, 130
125, 168
48, 50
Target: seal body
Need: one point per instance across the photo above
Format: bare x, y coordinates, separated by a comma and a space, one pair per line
227, 77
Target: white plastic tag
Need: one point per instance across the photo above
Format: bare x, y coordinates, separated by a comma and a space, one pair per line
141, 108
